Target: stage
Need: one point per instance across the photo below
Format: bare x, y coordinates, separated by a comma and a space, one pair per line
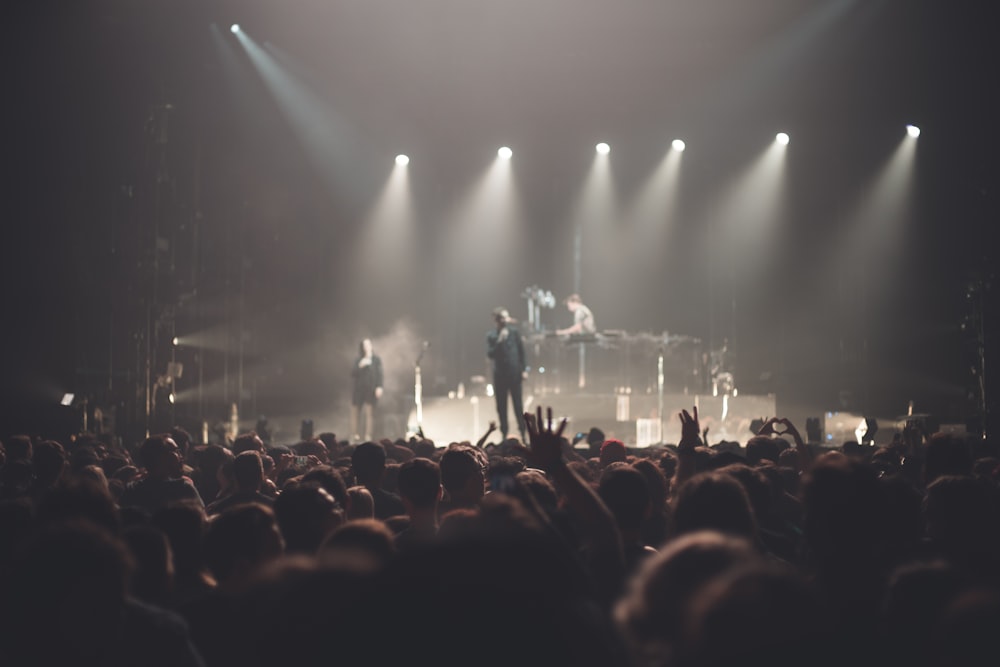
634, 419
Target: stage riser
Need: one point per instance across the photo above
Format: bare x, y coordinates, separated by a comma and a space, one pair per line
727, 417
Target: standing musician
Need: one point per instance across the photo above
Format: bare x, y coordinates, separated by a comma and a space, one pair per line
505, 348
367, 376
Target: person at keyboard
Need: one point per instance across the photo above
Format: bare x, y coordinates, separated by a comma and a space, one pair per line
583, 319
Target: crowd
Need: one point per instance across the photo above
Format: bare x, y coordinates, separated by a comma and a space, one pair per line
327, 552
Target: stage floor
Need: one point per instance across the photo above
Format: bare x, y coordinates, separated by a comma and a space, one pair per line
633, 419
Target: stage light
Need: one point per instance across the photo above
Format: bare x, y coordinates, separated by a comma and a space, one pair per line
913, 131
678, 145
234, 28
67, 399
603, 148
505, 153
402, 160
172, 398
782, 138
176, 341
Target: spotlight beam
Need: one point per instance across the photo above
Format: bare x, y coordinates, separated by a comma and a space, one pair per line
328, 139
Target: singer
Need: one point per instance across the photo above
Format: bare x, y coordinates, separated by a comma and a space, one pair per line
506, 350
367, 376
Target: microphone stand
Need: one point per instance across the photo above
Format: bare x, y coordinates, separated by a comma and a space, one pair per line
659, 391
418, 390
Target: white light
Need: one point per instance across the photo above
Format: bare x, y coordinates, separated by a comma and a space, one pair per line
603, 148
67, 399
913, 131
859, 432
505, 153
782, 138
176, 341
402, 160
234, 28
172, 398
678, 145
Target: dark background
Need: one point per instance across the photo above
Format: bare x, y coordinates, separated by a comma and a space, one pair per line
153, 188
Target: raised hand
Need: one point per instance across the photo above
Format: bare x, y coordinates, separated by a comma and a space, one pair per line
690, 429
768, 427
546, 444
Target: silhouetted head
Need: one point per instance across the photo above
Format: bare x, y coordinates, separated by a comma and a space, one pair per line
419, 483
463, 472
967, 631
64, 596
734, 618
152, 578
161, 457
18, 448
80, 498
246, 442
651, 615
844, 509
625, 491
240, 541
714, 501
368, 462
306, 514
248, 471
49, 462
960, 517
760, 448
613, 451
185, 526
362, 545
946, 454
361, 505
331, 480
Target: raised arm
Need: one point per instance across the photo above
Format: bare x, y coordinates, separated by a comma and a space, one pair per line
489, 430
546, 453
780, 426
690, 439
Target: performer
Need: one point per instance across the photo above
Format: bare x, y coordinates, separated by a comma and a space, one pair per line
583, 319
506, 349
367, 376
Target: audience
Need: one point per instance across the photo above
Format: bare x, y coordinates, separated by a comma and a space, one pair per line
681, 556
420, 488
248, 479
463, 475
368, 461
162, 484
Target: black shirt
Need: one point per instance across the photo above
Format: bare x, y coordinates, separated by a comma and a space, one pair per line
507, 355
